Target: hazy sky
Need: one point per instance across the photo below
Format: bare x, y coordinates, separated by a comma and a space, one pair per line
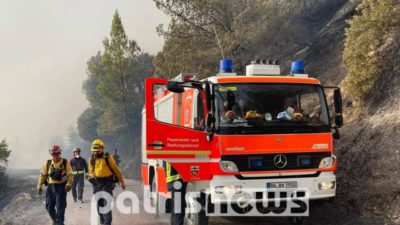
44, 47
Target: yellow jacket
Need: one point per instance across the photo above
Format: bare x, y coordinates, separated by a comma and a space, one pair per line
67, 173
101, 169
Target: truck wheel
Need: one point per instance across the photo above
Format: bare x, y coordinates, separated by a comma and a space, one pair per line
296, 220
195, 216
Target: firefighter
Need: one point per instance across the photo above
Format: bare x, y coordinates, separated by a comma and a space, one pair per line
80, 169
103, 174
178, 189
56, 173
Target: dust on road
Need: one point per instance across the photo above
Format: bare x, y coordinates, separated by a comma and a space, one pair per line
28, 208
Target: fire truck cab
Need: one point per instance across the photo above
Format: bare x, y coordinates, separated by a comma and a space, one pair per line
227, 132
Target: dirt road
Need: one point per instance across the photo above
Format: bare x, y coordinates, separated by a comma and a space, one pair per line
79, 214
26, 208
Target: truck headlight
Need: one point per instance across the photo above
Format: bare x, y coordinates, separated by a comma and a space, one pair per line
228, 166
326, 185
327, 162
230, 189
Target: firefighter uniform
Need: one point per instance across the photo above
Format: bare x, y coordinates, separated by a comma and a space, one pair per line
178, 190
79, 168
59, 178
103, 173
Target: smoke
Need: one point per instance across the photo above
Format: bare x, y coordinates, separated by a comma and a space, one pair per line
44, 47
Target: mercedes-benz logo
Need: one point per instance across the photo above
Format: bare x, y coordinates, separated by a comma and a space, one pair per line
280, 161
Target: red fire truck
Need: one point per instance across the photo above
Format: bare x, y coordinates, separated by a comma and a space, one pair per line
230, 132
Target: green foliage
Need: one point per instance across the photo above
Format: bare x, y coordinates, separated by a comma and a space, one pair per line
87, 124
95, 72
366, 39
118, 87
4, 154
115, 89
246, 29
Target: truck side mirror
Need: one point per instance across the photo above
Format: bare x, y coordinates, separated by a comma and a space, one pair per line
208, 95
175, 87
339, 120
337, 100
335, 133
210, 127
210, 120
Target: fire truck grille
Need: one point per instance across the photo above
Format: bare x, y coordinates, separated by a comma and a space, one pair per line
287, 161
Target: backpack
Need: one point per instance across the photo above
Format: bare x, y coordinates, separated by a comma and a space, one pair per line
93, 163
64, 163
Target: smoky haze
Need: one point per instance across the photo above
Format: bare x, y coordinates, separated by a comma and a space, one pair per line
44, 47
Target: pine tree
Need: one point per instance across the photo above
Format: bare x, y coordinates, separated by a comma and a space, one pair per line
4, 154
117, 86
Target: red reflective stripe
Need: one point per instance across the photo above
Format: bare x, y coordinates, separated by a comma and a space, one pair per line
161, 180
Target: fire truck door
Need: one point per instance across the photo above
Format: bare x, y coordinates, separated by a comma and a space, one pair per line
170, 129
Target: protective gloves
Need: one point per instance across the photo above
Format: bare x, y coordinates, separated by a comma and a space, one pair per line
67, 187
39, 190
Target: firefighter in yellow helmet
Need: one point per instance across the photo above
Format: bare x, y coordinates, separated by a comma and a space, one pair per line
103, 174
56, 174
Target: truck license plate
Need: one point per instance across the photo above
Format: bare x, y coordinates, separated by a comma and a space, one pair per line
282, 185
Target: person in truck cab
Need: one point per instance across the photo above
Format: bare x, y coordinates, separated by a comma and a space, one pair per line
290, 111
238, 108
228, 115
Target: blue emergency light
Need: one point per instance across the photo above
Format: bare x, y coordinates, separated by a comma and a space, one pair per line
297, 67
225, 66
305, 162
256, 163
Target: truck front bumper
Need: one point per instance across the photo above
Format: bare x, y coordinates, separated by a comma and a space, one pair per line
320, 186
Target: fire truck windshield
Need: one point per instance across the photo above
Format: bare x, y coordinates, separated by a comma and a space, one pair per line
249, 108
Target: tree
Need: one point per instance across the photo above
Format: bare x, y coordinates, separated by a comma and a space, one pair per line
115, 90
366, 38
87, 124
246, 30
117, 86
4, 154
96, 72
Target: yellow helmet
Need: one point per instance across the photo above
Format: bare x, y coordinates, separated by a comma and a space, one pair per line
96, 145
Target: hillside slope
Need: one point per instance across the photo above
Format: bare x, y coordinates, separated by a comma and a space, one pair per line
369, 148
368, 151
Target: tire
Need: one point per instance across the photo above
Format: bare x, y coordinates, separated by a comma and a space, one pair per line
296, 220
195, 218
